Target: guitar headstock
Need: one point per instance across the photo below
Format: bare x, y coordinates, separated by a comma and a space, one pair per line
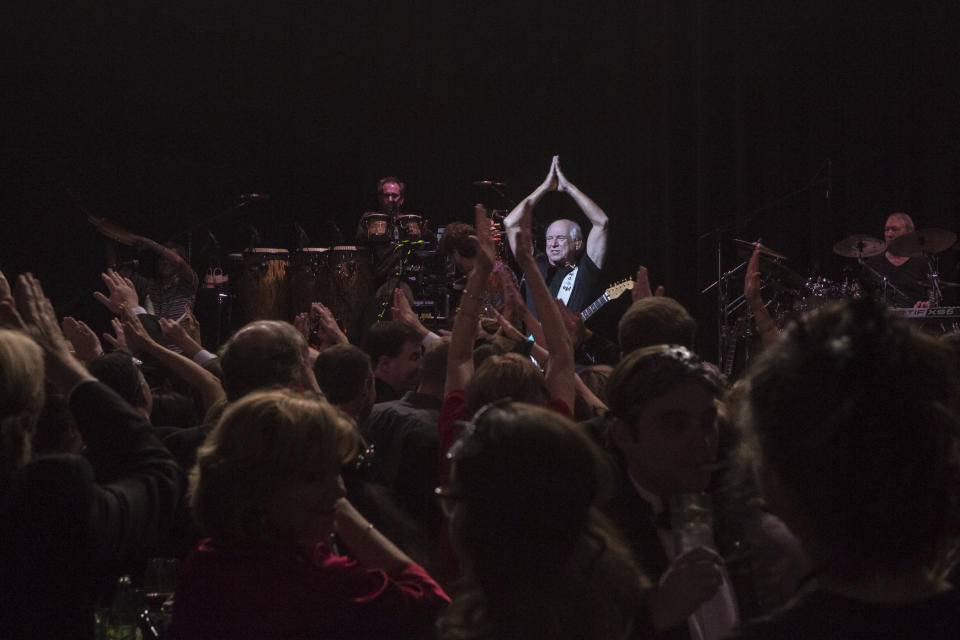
617, 289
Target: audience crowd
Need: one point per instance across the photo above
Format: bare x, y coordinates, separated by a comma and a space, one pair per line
481, 484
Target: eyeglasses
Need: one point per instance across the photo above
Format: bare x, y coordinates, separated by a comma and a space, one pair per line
448, 500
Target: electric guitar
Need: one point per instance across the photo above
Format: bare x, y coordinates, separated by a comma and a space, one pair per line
612, 292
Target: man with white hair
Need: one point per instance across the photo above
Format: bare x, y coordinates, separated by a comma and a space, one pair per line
900, 278
572, 265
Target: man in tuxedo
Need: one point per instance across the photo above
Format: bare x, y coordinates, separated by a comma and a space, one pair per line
572, 265
664, 433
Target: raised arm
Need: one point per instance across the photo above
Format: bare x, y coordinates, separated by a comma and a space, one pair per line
559, 375
766, 327
184, 270
176, 334
140, 344
460, 356
121, 292
597, 238
512, 221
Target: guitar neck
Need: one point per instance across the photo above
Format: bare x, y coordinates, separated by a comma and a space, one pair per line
593, 308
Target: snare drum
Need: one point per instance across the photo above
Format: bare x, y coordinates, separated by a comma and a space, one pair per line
410, 226
309, 278
350, 279
263, 291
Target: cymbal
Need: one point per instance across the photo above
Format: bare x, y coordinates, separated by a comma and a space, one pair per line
858, 246
944, 284
922, 242
764, 251
780, 274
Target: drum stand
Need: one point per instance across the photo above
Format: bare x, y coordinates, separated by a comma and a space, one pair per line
404, 250
726, 308
936, 295
884, 282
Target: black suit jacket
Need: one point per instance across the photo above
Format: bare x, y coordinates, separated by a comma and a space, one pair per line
67, 524
635, 518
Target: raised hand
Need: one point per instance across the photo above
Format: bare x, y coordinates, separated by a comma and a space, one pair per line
116, 339
9, 318
40, 322
191, 325
402, 311
86, 344
691, 579
751, 281
301, 322
121, 292
178, 335
5, 291
524, 248
562, 183
507, 329
138, 340
38, 315
552, 180
327, 327
641, 286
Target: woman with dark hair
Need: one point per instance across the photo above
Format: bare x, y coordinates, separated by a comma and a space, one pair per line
851, 422
267, 489
538, 558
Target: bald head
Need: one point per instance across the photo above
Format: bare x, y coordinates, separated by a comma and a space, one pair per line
263, 354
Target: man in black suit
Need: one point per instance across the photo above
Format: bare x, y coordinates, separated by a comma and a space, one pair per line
664, 432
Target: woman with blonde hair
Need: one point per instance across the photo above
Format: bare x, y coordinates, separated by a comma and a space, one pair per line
267, 490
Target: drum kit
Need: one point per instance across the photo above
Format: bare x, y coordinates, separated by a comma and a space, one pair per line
788, 293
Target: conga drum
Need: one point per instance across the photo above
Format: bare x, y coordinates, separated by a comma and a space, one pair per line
350, 280
410, 227
263, 291
374, 228
309, 278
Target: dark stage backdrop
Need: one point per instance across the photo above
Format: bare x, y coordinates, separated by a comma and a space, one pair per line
688, 121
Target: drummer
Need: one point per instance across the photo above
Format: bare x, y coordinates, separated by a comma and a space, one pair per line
908, 276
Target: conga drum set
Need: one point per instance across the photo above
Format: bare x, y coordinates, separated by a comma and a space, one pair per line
275, 285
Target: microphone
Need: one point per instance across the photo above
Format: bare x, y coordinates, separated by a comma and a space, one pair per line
489, 183
127, 263
213, 238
